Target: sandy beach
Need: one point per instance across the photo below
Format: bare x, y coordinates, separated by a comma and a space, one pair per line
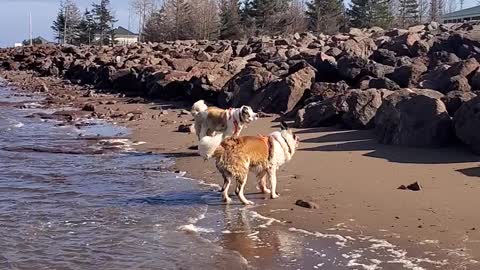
353, 179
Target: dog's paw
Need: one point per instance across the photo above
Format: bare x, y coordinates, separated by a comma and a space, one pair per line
267, 191
249, 203
227, 200
274, 196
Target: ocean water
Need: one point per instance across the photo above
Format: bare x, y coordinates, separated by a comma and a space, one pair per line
83, 198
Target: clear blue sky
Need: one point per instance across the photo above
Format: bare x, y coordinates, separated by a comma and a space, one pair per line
14, 17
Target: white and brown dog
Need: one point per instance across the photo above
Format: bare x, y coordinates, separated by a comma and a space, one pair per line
230, 122
236, 156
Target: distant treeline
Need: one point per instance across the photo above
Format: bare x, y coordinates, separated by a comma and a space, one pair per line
235, 19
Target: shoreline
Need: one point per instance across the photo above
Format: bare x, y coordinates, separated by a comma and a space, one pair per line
352, 178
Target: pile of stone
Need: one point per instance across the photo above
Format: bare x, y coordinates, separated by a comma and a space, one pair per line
414, 86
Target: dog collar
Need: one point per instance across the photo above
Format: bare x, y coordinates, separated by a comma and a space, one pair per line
235, 122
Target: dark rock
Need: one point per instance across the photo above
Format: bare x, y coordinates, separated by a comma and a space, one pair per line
281, 96
306, 204
322, 113
409, 75
453, 100
186, 128
88, 107
413, 118
467, 124
362, 107
239, 89
413, 187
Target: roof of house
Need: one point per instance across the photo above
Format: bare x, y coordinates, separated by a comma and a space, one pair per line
42, 39
121, 31
468, 12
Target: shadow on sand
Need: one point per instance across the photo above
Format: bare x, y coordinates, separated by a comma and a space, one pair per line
472, 172
364, 140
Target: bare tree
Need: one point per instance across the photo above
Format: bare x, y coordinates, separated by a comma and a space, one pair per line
296, 17
143, 9
205, 18
450, 6
423, 7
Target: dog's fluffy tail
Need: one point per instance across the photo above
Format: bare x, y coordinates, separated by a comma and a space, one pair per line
210, 146
199, 107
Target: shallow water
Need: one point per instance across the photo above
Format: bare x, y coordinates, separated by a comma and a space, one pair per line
84, 199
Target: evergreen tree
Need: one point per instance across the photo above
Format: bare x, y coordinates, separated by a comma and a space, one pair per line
58, 25
104, 20
268, 15
382, 14
368, 13
87, 28
154, 30
408, 13
230, 20
325, 16
66, 26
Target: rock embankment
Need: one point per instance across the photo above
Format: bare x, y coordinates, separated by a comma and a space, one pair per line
415, 87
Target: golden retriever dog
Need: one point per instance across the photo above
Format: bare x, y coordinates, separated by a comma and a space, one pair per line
236, 156
230, 122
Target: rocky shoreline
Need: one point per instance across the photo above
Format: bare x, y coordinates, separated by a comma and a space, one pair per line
415, 87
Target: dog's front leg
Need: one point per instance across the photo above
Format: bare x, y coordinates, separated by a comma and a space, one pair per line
241, 194
226, 184
272, 174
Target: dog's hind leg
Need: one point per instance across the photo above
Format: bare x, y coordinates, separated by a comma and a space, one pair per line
272, 174
262, 182
226, 184
243, 182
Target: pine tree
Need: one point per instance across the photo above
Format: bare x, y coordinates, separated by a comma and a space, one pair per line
325, 16
368, 13
408, 13
230, 20
268, 15
154, 30
104, 20
87, 28
58, 25
66, 26
382, 13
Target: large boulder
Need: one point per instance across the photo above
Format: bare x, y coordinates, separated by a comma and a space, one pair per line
408, 75
322, 113
413, 118
240, 89
282, 95
455, 99
467, 124
353, 68
362, 107
451, 78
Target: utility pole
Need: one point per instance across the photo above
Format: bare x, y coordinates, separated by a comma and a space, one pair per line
30, 28
461, 3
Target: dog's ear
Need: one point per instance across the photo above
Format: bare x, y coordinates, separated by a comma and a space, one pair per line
283, 125
244, 109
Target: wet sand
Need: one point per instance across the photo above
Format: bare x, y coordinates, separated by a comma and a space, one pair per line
352, 178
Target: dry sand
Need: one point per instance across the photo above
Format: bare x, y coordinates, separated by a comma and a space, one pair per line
352, 178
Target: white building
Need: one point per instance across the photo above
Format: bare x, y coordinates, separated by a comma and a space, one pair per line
123, 36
